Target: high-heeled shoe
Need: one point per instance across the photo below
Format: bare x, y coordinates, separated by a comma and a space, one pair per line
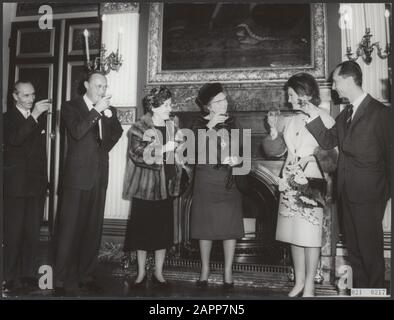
202, 283
158, 283
307, 296
228, 285
141, 284
297, 295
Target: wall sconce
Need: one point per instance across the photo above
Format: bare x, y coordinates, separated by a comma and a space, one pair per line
103, 63
366, 47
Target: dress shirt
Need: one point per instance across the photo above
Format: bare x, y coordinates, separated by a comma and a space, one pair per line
356, 103
26, 113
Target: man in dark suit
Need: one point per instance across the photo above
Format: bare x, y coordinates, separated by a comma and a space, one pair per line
92, 130
25, 183
362, 135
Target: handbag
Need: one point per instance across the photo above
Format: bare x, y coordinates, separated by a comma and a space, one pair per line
175, 187
242, 183
319, 184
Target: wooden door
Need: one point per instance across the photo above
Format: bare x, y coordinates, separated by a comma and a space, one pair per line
34, 55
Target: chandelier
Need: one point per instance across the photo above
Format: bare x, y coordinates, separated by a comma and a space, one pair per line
366, 47
103, 63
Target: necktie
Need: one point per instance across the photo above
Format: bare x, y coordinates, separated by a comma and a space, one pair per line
96, 129
97, 133
349, 113
27, 113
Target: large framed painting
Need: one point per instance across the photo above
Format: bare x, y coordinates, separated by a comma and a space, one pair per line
235, 42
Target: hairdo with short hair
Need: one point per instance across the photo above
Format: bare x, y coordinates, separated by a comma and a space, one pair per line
16, 84
305, 84
351, 69
155, 98
92, 73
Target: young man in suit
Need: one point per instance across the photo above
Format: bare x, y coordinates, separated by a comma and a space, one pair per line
362, 134
92, 130
25, 183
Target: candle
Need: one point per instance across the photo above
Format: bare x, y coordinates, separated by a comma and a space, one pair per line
86, 35
120, 32
365, 16
387, 17
347, 36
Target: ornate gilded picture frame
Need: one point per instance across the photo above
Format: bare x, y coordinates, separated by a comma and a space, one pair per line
161, 69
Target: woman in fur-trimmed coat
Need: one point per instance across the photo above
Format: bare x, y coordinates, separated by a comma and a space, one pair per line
152, 186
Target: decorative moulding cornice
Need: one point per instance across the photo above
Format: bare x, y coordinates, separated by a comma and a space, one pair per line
241, 97
119, 7
126, 115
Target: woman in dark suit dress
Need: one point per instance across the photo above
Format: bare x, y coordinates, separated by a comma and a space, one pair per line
152, 186
217, 204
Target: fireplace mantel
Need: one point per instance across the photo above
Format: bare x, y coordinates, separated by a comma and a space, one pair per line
263, 172
267, 170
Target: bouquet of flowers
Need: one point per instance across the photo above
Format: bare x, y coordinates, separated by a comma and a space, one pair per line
298, 195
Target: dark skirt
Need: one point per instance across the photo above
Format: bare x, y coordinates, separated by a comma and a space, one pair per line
216, 211
151, 225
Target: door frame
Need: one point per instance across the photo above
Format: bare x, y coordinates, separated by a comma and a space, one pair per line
50, 60
57, 59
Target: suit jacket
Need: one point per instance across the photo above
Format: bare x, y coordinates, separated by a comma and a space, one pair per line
85, 157
25, 161
364, 152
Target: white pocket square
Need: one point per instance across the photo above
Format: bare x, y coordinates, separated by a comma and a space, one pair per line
43, 132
